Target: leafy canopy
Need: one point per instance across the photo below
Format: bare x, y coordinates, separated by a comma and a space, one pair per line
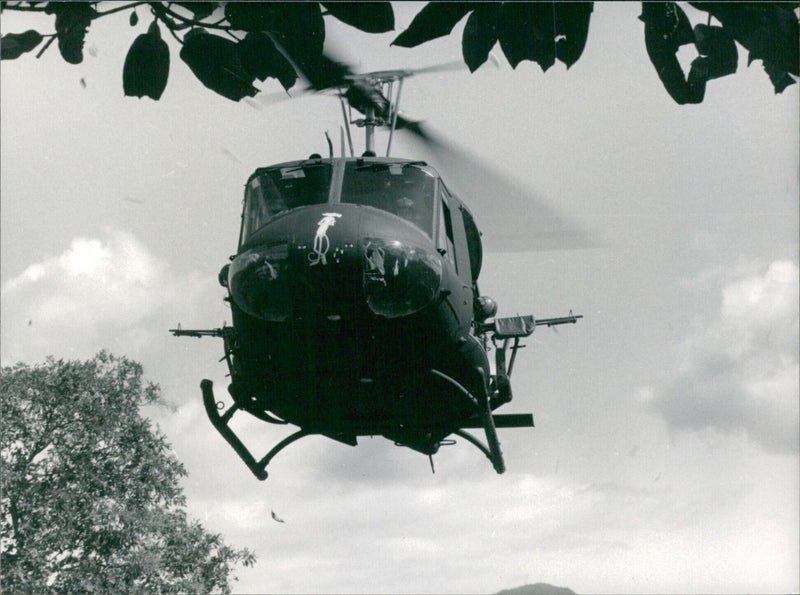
91, 499
228, 45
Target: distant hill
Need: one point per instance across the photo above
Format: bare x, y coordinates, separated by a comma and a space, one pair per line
537, 589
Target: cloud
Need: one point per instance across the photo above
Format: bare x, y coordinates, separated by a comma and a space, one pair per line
738, 369
443, 533
467, 530
100, 293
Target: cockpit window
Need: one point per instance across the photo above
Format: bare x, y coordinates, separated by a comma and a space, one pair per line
404, 189
277, 189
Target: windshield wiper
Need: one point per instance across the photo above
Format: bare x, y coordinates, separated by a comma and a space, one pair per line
382, 166
303, 167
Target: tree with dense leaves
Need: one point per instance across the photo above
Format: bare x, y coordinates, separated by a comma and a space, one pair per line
91, 496
228, 45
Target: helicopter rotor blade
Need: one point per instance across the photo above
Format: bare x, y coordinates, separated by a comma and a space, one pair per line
328, 74
393, 75
444, 67
511, 217
262, 99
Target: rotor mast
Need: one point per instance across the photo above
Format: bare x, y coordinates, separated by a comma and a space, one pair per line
369, 130
376, 96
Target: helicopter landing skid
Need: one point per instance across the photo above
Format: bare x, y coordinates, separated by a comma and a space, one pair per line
220, 422
486, 420
495, 454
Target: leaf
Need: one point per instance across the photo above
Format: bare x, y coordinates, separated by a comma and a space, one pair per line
13, 45
297, 26
572, 29
259, 56
717, 50
372, 17
665, 30
200, 10
326, 72
480, 35
300, 29
780, 78
134, 18
72, 22
544, 31
667, 20
249, 16
215, 61
768, 30
436, 19
527, 32
146, 66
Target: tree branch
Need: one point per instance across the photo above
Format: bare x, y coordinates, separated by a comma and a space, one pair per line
19, 541
187, 22
230, 34
45, 46
39, 447
119, 8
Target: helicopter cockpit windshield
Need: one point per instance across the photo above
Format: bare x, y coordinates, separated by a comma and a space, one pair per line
276, 189
403, 189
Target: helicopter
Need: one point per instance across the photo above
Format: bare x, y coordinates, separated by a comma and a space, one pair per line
354, 297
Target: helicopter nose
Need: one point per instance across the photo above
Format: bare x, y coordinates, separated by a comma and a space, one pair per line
304, 261
333, 260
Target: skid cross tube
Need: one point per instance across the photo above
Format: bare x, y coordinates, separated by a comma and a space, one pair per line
485, 414
474, 441
220, 422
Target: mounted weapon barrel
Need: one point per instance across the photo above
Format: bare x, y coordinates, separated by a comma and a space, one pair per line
523, 326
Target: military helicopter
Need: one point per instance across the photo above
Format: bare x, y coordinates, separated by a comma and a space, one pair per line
355, 301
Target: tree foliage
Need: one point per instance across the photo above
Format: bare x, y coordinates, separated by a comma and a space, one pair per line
228, 45
91, 499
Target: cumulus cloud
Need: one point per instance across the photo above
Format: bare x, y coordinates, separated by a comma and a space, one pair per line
738, 370
100, 293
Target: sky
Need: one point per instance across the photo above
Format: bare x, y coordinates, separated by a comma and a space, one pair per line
665, 456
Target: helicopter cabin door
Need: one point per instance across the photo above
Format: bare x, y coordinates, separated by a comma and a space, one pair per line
452, 238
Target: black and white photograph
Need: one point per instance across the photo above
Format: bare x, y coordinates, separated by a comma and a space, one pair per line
399, 297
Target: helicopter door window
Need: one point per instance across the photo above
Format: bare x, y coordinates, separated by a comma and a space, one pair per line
403, 189
446, 240
254, 212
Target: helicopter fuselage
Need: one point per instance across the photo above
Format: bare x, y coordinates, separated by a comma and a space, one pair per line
353, 293
354, 296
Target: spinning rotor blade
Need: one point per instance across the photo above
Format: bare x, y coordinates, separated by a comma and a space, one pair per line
510, 216
361, 90
324, 75
380, 76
